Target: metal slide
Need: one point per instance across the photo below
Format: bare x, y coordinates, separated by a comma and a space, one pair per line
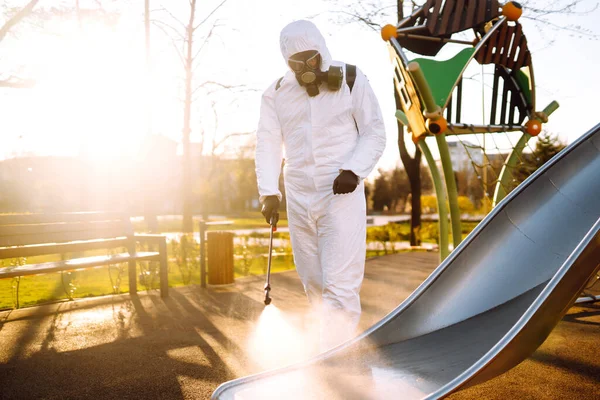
486, 308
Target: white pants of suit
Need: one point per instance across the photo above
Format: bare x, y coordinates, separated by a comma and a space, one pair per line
328, 234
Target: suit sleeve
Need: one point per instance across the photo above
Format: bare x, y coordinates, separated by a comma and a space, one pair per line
371, 128
269, 147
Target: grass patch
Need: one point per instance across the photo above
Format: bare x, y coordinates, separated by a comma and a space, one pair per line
398, 232
37, 289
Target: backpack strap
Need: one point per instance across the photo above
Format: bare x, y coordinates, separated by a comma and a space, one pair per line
278, 85
350, 78
350, 75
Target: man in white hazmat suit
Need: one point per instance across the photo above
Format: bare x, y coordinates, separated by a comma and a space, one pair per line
333, 137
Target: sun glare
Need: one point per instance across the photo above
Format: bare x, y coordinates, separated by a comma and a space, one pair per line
94, 316
93, 94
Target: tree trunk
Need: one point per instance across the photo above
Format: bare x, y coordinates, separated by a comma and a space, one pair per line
411, 165
188, 225
413, 170
400, 10
149, 189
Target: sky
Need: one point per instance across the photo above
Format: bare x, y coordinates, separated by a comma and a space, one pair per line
91, 96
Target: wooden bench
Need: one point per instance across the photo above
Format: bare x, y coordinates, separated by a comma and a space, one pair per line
29, 235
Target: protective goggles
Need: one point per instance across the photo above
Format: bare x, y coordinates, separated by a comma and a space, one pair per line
311, 59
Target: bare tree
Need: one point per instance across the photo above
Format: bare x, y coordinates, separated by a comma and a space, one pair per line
183, 37
16, 17
412, 164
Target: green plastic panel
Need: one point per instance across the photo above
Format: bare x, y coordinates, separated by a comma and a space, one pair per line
442, 75
523, 81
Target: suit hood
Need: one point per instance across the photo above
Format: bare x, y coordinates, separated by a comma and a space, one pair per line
303, 35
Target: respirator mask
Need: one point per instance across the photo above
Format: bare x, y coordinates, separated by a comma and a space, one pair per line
307, 67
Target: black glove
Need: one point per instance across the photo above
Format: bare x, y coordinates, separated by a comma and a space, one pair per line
346, 182
269, 208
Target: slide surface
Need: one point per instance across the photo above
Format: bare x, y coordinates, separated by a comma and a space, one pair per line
486, 308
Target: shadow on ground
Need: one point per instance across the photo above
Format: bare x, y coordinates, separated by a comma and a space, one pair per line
146, 354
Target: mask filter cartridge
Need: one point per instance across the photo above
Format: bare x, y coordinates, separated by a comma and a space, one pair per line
306, 66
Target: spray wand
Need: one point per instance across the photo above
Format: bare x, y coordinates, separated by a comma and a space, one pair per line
273, 228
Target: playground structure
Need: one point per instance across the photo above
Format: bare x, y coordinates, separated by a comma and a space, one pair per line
431, 92
499, 294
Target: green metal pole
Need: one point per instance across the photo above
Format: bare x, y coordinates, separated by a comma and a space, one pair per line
506, 172
450, 188
414, 69
515, 154
550, 108
441, 199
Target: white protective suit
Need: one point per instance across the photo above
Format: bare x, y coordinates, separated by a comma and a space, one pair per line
320, 136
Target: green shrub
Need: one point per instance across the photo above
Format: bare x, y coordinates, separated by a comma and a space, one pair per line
465, 205
428, 204
430, 232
